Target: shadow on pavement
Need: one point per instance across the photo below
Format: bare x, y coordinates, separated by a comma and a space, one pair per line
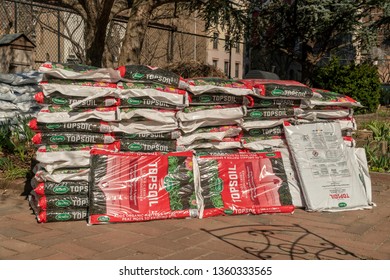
281, 242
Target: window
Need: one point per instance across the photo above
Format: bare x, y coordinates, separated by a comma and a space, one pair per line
215, 63
237, 47
236, 70
226, 68
215, 41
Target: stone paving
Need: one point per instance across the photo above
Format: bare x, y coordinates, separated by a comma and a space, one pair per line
351, 235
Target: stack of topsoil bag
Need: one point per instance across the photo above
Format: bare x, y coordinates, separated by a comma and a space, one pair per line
230, 181
209, 175
274, 102
139, 143
331, 106
17, 96
65, 136
328, 115
148, 179
89, 108
212, 120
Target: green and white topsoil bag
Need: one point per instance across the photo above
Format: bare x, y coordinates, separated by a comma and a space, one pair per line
79, 72
328, 170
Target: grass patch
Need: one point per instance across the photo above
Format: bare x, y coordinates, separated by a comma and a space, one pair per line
11, 171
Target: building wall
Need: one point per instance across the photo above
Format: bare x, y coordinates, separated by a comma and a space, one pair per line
220, 57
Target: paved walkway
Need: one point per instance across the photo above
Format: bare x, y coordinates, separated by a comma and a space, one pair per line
353, 235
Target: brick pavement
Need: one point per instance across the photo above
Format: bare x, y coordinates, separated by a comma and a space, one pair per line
352, 235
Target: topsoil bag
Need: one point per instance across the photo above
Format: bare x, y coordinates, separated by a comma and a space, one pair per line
57, 176
243, 184
130, 187
60, 114
90, 126
79, 72
216, 99
142, 127
217, 112
216, 133
212, 85
328, 170
61, 215
62, 188
79, 83
56, 202
280, 89
323, 97
158, 115
64, 100
144, 73
257, 102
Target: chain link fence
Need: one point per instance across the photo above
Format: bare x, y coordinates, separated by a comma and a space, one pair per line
58, 34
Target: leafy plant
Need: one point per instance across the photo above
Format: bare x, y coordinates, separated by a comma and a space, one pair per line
15, 138
359, 81
11, 171
380, 129
377, 162
6, 144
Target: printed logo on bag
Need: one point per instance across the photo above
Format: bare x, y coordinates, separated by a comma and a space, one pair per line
63, 217
265, 102
63, 203
169, 183
61, 189
254, 132
277, 92
131, 136
59, 101
270, 154
134, 101
103, 219
138, 76
342, 204
228, 211
205, 99
256, 114
57, 138
134, 147
53, 126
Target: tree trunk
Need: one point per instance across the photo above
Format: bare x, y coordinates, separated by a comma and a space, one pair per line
308, 62
95, 32
135, 32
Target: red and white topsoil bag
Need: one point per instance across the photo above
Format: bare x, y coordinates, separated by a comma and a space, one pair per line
328, 170
130, 187
245, 183
79, 72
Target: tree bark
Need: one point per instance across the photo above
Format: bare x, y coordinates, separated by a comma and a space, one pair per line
96, 15
135, 32
96, 30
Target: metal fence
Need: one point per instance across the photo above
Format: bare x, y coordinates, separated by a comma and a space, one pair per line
56, 32
58, 35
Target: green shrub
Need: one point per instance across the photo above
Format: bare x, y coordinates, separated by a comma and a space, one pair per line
359, 81
15, 139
